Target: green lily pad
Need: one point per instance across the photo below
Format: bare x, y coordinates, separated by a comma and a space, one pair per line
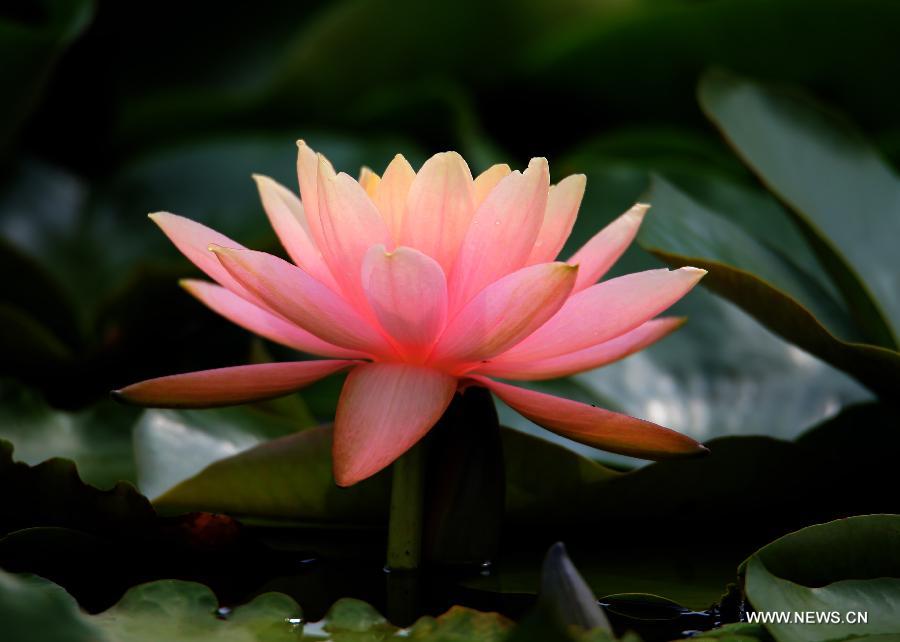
33, 609
186, 612
844, 195
840, 572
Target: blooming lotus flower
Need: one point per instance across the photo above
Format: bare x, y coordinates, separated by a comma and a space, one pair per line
422, 284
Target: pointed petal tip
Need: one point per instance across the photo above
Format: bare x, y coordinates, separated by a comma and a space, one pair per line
695, 273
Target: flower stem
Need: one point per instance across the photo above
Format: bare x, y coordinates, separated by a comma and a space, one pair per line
407, 507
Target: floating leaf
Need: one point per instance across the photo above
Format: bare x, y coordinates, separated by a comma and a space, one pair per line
839, 572
35, 610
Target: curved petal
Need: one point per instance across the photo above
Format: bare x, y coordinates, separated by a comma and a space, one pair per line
488, 179
392, 193
228, 386
289, 222
300, 298
605, 311
502, 232
581, 360
504, 313
263, 323
598, 255
563, 202
351, 224
439, 206
604, 429
384, 409
193, 240
408, 294
369, 181
307, 175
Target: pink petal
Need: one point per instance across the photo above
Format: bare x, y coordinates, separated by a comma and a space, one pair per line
594, 426
439, 206
562, 208
193, 240
261, 322
392, 193
289, 222
487, 181
408, 293
504, 313
384, 409
581, 360
299, 298
307, 174
351, 224
502, 232
228, 386
605, 311
598, 255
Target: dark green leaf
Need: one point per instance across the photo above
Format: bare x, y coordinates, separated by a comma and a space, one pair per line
763, 281
844, 195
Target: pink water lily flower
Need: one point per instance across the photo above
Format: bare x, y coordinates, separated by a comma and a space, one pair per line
421, 284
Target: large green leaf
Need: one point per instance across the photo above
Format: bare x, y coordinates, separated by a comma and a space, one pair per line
97, 439
765, 282
287, 478
171, 446
842, 192
840, 569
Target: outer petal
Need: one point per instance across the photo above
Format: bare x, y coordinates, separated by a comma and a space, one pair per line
193, 240
605, 311
408, 293
228, 386
289, 222
598, 255
393, 192
562, 208
351, 225
504, 313
298, 297
502, 232
384, 409
261, 322
594, 426
581, 360
439, 207
488, 179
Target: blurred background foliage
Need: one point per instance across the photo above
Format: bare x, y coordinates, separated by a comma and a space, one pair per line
112, 110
